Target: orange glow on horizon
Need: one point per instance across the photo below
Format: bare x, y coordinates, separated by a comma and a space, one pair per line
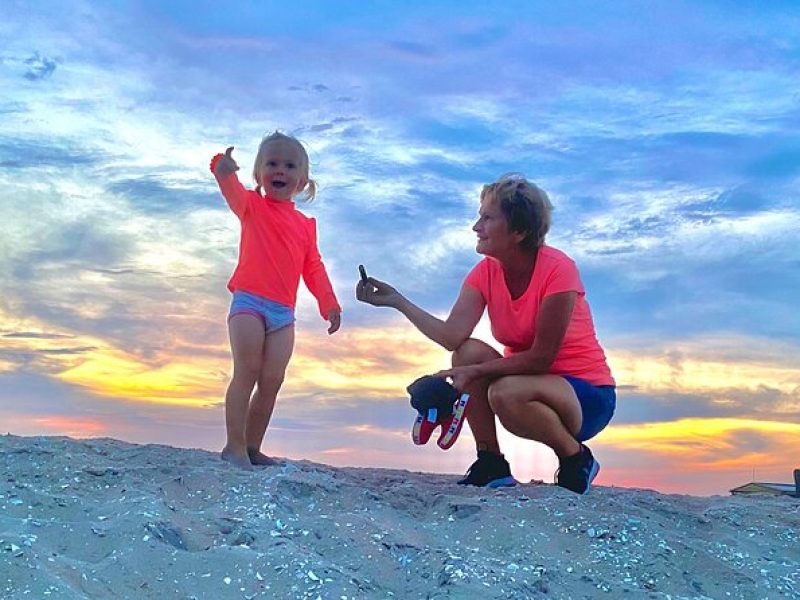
696, 427
709, 444
73, 426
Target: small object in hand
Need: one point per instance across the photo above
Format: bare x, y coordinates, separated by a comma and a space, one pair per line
438, 405
363, 272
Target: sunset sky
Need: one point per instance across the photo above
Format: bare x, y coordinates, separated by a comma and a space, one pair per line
666, 133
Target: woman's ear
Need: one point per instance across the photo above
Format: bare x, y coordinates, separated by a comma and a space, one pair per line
520, 236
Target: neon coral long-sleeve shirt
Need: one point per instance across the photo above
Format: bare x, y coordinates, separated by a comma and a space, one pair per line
278, 245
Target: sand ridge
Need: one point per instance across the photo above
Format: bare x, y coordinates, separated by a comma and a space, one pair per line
102, 518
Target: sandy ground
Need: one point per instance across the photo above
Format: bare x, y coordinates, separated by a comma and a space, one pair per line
106, 519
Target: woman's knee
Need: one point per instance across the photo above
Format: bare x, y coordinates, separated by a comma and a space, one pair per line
502, 399
473, 352
506, 399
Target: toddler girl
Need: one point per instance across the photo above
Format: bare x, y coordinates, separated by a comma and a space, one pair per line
278, 245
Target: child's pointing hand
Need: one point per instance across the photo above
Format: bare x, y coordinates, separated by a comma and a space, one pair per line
223, 164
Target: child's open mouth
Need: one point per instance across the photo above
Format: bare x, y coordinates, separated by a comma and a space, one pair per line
278, 184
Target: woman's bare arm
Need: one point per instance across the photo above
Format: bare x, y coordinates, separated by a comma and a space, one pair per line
450, 333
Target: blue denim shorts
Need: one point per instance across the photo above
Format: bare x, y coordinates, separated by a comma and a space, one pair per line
598, 403
273, 314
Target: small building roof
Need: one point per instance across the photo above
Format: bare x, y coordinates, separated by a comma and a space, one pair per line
760, 487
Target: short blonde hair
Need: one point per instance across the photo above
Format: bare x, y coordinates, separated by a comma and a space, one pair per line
310, 189
525, 205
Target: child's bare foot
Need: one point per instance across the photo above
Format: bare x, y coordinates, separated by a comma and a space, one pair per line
261, 459
237, 459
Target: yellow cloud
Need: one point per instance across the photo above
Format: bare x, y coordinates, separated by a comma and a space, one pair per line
378, 363
110, 372
700, 455
365, 362
695, 373
93, 364
705, 441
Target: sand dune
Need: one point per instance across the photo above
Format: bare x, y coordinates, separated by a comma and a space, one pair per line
107, 519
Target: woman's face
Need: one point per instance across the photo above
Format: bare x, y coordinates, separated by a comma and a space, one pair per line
494, 237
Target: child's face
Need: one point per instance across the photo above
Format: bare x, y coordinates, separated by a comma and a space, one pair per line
282, 173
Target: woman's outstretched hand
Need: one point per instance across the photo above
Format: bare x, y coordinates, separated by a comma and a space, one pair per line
377, 293
223, 164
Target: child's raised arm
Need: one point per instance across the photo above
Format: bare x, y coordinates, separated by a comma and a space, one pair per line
224, 168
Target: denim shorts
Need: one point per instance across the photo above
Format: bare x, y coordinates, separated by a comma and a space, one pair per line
598, 403
273, 314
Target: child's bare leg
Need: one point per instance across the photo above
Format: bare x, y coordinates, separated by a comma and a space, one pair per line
257, 420
278, 347
247, 341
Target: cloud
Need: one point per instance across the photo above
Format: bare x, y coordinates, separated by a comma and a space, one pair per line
151, 195
701, 456
760, 403
39, 67
34, 67
37, 335
414, 50
732, 376
27, 153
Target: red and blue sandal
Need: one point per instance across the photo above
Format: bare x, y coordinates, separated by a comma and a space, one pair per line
451, 427
438, 404
424, 426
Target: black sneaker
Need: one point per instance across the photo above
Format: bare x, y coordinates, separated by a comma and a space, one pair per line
577, 472
490, 470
